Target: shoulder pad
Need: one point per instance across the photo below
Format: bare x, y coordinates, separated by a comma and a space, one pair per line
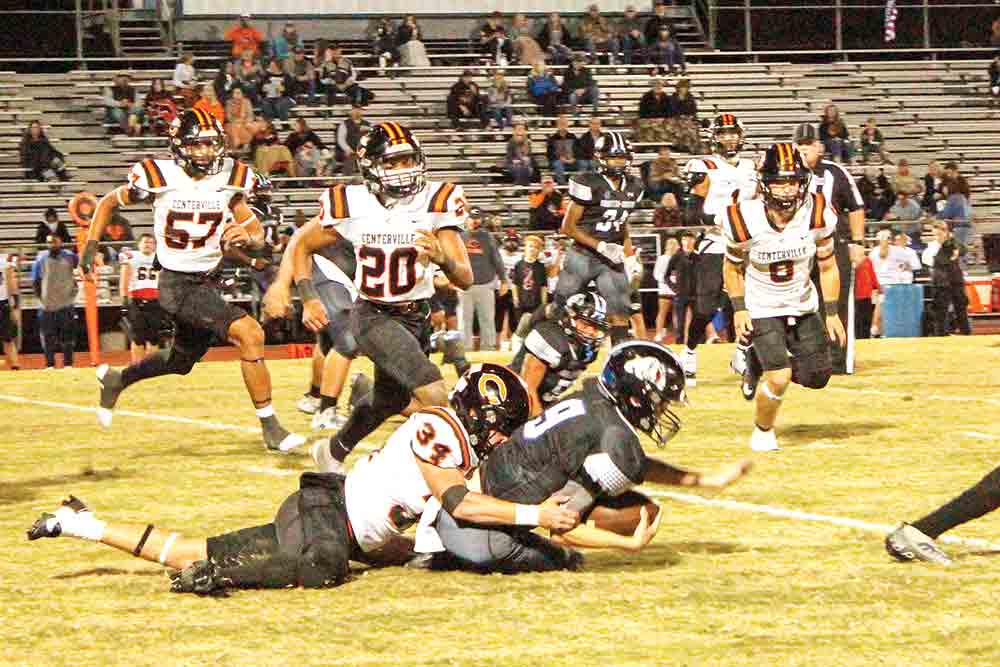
241, 177
148, 176
333, 205
440, 439
447, 206
734, 225
583, 189
542, 346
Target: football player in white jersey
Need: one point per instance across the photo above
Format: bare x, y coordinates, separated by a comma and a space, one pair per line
400, 224
332, 519
715, 182
199, 208
771, 243
140, 292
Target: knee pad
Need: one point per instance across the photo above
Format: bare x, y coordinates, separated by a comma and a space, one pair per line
813, 371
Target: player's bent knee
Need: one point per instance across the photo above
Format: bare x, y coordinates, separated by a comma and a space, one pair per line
779, 380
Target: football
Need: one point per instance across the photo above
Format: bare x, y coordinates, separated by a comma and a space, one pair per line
621, 513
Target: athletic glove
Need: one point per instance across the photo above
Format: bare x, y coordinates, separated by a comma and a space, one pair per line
614, 252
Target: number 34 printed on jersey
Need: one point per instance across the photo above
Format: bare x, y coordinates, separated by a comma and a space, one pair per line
613, 217
196, 222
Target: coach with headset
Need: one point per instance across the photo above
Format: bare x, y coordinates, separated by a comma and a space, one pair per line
841, 193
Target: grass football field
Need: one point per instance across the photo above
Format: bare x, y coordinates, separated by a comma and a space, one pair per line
738, 581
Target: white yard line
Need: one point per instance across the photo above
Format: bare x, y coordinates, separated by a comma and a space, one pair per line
978, 435
917, 397
798, 515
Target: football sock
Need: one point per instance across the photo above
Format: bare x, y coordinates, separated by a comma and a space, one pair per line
314, 391
265, 412
327, 402
981, 499
619, 334
79, 524
152, 366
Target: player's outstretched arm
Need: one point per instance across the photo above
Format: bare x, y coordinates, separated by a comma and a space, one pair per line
448, 486
278, 298
310, 238
570, 227
106, 207
659, 472
829, 282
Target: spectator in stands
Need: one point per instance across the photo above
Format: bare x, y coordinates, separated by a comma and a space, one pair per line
957, 207
270, 155
311, 154
547, 207
413, 54
185, 79
526, 49
943, 255
465, 102
275, 104
54, 282
658, 20
39, 157
494, 24
668, 212
349, 134
499, 49
244, 37
285, 43
932, 187
597, 35
121, 106
160, 108
302, 77
906, 209
563, 151
903, 241
834, 135
995, 33
528, 282
543, 89
408, 29
579, 87
51, 226
340, 79
872, 142
518, 164
225, 80
210, 104
665, 295
654, 109
500, 100
588, 140
995, 75
683, 129
556, 40
662, 176
248, 73
241, 124
905, 182
478, 302
876, 192
631, 37
384, 45
893, 266
118, 231
666, 52
680, 279
866, 290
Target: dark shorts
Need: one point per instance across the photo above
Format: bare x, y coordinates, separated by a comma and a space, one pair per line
709, 296
445, 300
147, 322
397, 340
583, 266
8, 327
195, 302
777, 340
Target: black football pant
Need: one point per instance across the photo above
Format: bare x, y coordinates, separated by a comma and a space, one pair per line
844, 303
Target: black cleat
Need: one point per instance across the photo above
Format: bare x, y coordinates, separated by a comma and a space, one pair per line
201, 578
906, 543
111, 388
752, 373
48, 524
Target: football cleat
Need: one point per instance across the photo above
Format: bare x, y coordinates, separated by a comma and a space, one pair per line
738, 363
328, 420
906, 543
201, 578
361, 389
308, 404
51, 524
277, 439
752, 372
111, 387
763, 441
324, 459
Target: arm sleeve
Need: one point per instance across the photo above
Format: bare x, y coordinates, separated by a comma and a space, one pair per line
333, 207
541, 348
620, 463
829, 225
580, 193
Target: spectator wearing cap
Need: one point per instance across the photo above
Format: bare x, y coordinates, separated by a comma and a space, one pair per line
943, 256
654, 109
51, 226
349, 134
506, 318
285, 43
547, 206
478, 302
543, 89
631, 37
244, 37
519, 164
682, 125
666, 52
597, 35
579, 87
465, 102
302, 76
563, 151
54, 282
556, 39
834, 135
340, 79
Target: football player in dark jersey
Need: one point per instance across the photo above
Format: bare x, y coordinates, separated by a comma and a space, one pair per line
597, 221
558, 351
586, 448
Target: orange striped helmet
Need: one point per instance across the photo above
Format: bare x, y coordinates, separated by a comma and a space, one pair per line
726, 146
783, 165
189, 133
379, 149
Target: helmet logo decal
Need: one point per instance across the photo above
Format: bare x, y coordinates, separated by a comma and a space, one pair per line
492, 388
648, 369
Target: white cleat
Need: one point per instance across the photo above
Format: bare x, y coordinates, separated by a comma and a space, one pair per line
111, 386
308, 404
763, 441
290, 442
738, 363
324, 459
328, 420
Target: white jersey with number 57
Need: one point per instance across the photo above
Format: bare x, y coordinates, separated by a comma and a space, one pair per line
386, 492
384, 238
778, 261
189, 215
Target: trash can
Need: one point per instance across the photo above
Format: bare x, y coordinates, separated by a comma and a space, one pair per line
902, 311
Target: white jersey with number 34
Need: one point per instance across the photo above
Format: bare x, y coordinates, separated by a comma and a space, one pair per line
189, 215
386, 491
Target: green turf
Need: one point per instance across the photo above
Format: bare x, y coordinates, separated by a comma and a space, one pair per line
914, 427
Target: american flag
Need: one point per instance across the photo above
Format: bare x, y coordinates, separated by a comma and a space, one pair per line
890, 20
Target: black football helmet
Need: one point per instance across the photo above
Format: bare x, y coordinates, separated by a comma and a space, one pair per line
260, 199
383, 144
612, 145
643, 379
489, 398
190, 133
723, 124
783, 167
589, 307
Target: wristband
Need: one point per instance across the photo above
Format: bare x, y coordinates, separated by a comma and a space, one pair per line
739, 303
307, 290
526, 515
830, 308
